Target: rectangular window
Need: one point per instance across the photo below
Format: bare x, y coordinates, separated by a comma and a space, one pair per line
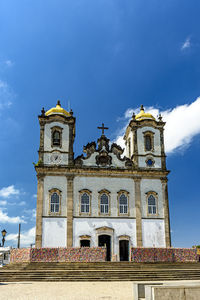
104, 208
85, 208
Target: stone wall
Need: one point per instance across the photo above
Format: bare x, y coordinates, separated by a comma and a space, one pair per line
163, 255
83, 254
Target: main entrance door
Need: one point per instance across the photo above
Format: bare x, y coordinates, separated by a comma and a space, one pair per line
104, 240
124, 250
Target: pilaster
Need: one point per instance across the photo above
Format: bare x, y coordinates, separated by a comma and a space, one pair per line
138, 212
163, 157
166, 212
70, 192
71, 141
39, 212
135, 145
41, 149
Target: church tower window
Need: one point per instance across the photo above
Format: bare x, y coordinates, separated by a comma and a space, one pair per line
152, 209
123, 204
149, 141
56, 136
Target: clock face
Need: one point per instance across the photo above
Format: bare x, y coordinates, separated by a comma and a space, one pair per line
55, 158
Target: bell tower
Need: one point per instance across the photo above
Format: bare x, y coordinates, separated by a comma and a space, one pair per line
145, 142
57, 132
54, 201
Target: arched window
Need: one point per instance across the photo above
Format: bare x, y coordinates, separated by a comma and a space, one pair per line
55, 203
152, 205
104, 204
123, 204
148, 142
85, 203
56, 138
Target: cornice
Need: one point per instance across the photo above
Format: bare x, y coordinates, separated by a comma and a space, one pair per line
99, 172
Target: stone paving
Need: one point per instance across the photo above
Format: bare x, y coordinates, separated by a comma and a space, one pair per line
66, 291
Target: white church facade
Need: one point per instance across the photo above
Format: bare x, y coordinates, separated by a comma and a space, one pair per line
102, 198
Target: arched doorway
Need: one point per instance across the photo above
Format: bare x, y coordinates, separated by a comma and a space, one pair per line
124, 250
105, 240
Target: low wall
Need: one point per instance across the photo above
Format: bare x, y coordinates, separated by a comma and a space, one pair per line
164, 255
83, 254
20, 255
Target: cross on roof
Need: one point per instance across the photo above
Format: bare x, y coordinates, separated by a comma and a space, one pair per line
102, 128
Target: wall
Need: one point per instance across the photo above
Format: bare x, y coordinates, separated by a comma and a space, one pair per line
142, 162
47, 142
154, 185
54, 232
88, 226
163, 255
113, 185
65, 136
58, 182
58, 255
153, 233
140, 140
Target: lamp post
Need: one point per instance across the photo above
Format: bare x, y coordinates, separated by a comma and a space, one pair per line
3, 232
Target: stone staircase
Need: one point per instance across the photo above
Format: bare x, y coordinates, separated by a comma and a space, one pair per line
100, 271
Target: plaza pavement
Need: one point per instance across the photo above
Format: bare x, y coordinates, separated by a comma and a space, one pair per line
66, 291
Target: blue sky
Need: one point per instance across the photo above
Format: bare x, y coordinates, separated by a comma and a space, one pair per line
102, 58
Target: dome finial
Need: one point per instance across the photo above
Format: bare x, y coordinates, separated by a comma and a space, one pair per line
141, 107
58, 103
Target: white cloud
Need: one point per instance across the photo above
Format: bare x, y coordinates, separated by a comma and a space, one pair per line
182, 125
22, 203
31, 214
26, 237
6, 95
4, 218
8, 191
186, 44
3, 202
8, 63
35, 196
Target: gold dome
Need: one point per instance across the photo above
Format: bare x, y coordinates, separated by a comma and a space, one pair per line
143, 116
58, 110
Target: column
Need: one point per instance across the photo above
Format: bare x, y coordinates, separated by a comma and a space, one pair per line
39, 212
166, 212
138, 212
70, 191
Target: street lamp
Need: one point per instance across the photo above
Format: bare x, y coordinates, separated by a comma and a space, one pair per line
3, 232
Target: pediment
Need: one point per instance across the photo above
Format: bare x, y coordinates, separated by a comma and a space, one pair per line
103, 155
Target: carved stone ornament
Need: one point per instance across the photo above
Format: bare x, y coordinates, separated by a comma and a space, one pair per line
78, 161
89, 149
103, 142
103, 159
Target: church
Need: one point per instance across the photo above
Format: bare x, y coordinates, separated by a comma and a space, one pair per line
107, 196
